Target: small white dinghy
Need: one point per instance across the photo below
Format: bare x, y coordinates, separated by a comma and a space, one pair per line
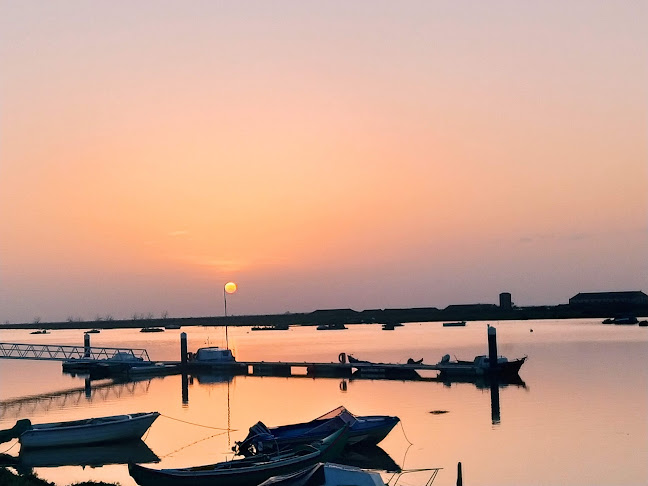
328, 474
97, 430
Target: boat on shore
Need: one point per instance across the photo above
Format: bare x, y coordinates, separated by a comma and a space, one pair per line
248, 471
480, 366
363, 430
99, 430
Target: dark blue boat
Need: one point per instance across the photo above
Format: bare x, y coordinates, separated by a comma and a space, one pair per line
365, 430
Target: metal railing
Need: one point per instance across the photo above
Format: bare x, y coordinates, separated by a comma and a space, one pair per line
54, 352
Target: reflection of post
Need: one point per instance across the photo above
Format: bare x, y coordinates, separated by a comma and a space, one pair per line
495, 401
88, 388
185, 389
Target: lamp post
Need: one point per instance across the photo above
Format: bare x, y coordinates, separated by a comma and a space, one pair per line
228, 288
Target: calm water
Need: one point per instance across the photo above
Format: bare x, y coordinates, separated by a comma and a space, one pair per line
580, 419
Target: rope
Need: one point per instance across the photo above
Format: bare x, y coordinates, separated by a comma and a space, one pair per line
199, 425
14, 445
193, 443
405, 435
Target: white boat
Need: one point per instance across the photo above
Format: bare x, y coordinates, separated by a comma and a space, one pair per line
88, 431
327, 474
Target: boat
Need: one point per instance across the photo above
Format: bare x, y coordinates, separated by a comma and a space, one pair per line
454, 324
621, 320
388, 327
331, 327
365, 430
480, 366
93, 331
214, 357
152, 369
277, 327
152, 329
42, 331
99, 430
172, 326
248, 471
643, 323
327, 474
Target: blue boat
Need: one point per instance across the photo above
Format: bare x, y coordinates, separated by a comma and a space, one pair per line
365, 430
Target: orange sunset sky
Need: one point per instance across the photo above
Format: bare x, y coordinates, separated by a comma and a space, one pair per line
335, 154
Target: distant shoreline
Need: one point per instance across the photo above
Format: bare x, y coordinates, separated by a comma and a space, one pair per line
473, 312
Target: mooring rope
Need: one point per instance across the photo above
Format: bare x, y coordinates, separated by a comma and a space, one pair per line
404, 434
193, 443
14, 445
199, 425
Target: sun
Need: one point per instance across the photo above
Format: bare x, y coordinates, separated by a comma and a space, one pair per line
230, 287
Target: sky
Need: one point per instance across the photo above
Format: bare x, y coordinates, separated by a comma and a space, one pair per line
322, 155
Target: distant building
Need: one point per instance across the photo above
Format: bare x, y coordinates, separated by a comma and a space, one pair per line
505, 300
634, 297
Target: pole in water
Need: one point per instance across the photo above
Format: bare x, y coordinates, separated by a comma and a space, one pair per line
86, 345
183, 348
492, 348
459, 475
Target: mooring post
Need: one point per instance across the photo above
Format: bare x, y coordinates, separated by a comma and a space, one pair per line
492, 347
459, 476
86, 345
183, 349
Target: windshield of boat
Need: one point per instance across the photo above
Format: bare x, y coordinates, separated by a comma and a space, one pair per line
340, 412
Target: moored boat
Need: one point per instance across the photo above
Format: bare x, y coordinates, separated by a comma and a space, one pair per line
216, 358
97, 430
331, 327
365, 430
327, 474
454, 324
480, 366
248, 471
152, 329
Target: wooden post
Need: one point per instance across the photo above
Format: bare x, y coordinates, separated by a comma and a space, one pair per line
183, 349
459, 475
492, 348
86, 345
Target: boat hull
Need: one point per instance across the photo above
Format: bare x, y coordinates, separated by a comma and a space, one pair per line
249, 471
469, 369
365, 430
90, 431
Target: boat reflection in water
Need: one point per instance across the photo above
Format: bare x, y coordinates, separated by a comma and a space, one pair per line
93, 456
368, 457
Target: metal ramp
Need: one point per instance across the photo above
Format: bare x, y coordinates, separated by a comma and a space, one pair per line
54, 352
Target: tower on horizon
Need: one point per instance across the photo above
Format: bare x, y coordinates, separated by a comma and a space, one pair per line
505, 300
